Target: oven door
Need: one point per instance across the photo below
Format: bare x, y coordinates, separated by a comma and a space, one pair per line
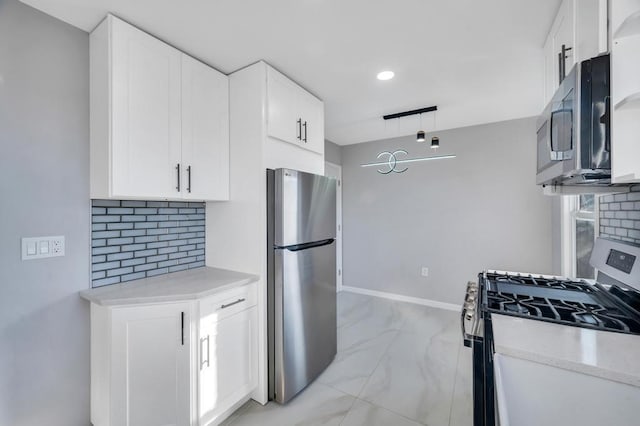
478, 335
484, 411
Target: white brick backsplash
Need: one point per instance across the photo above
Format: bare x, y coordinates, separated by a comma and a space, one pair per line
620, 216
133, 239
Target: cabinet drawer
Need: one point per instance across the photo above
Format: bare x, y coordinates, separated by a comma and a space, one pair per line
222, 305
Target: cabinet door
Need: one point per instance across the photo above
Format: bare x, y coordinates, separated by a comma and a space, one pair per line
312, 111
625, 91
562, 33
205, 131
227, 362
150, 365
145, 108
550, 70
588, 29
284, 119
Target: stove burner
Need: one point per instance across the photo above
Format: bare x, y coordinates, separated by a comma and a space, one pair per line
540, 281
589, 315
597, 316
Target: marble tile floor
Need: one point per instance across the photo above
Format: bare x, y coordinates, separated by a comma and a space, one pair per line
398, 364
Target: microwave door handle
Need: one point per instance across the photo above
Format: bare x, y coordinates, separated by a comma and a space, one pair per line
555, 154
606, 120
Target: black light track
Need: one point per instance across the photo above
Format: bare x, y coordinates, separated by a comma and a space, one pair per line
412, 112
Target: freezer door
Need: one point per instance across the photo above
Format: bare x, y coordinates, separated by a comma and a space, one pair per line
305, 207
305, 317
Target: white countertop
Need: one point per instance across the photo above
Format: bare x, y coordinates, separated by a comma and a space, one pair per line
609, 355
183, 285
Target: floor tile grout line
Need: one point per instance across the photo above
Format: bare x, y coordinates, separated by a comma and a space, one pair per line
386, 350
392, 411
455, 383
397, 307
355, 398
364, 386
385, 353
378, 363
397, 332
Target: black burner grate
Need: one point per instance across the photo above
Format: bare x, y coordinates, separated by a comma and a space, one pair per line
572, 313
541, 282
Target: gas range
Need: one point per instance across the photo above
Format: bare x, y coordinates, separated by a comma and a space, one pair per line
609, 304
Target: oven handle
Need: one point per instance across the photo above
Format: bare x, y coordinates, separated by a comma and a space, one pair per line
466, 337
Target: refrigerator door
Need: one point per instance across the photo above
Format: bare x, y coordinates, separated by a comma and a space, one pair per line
305, 208
305, 316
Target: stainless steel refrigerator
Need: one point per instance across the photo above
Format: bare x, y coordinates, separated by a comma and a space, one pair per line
301, 281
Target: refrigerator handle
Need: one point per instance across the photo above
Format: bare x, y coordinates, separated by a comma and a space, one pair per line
305, 246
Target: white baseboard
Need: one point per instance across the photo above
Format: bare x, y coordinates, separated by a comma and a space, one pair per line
401, 298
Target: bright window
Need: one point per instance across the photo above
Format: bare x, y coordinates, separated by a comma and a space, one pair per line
581, 221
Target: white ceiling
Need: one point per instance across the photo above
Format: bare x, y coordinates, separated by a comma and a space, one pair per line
479, 61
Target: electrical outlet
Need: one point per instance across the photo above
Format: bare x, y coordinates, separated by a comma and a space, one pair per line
41, 247
425, 271
57, 246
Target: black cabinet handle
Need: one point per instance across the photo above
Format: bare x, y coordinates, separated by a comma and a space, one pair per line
189, 179
305, 132
299, 135
562, 63
178, 170
182, 327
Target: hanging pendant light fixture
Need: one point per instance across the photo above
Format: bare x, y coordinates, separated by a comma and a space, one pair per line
435, 141
421, 135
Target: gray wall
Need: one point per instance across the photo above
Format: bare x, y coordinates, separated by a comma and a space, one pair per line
456, 216
44, 188
332, 152
620, 216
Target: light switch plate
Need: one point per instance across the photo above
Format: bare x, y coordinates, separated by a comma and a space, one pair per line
41, 247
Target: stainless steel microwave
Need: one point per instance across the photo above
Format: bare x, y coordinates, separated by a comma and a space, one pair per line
574, 144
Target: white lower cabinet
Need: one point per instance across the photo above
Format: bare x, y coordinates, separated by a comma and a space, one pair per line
147, 369
228, 352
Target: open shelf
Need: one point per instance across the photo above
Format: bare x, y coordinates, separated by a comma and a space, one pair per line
629, 27
625, 136
625, 70
624, 15
628, 102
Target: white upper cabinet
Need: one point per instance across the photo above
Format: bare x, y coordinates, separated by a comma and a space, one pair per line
159, 119
581, 28
294, 115
561, 34
284, 120
312, 111
625, 91
205, 131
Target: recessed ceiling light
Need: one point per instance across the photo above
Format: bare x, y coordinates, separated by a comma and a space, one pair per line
385, 75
